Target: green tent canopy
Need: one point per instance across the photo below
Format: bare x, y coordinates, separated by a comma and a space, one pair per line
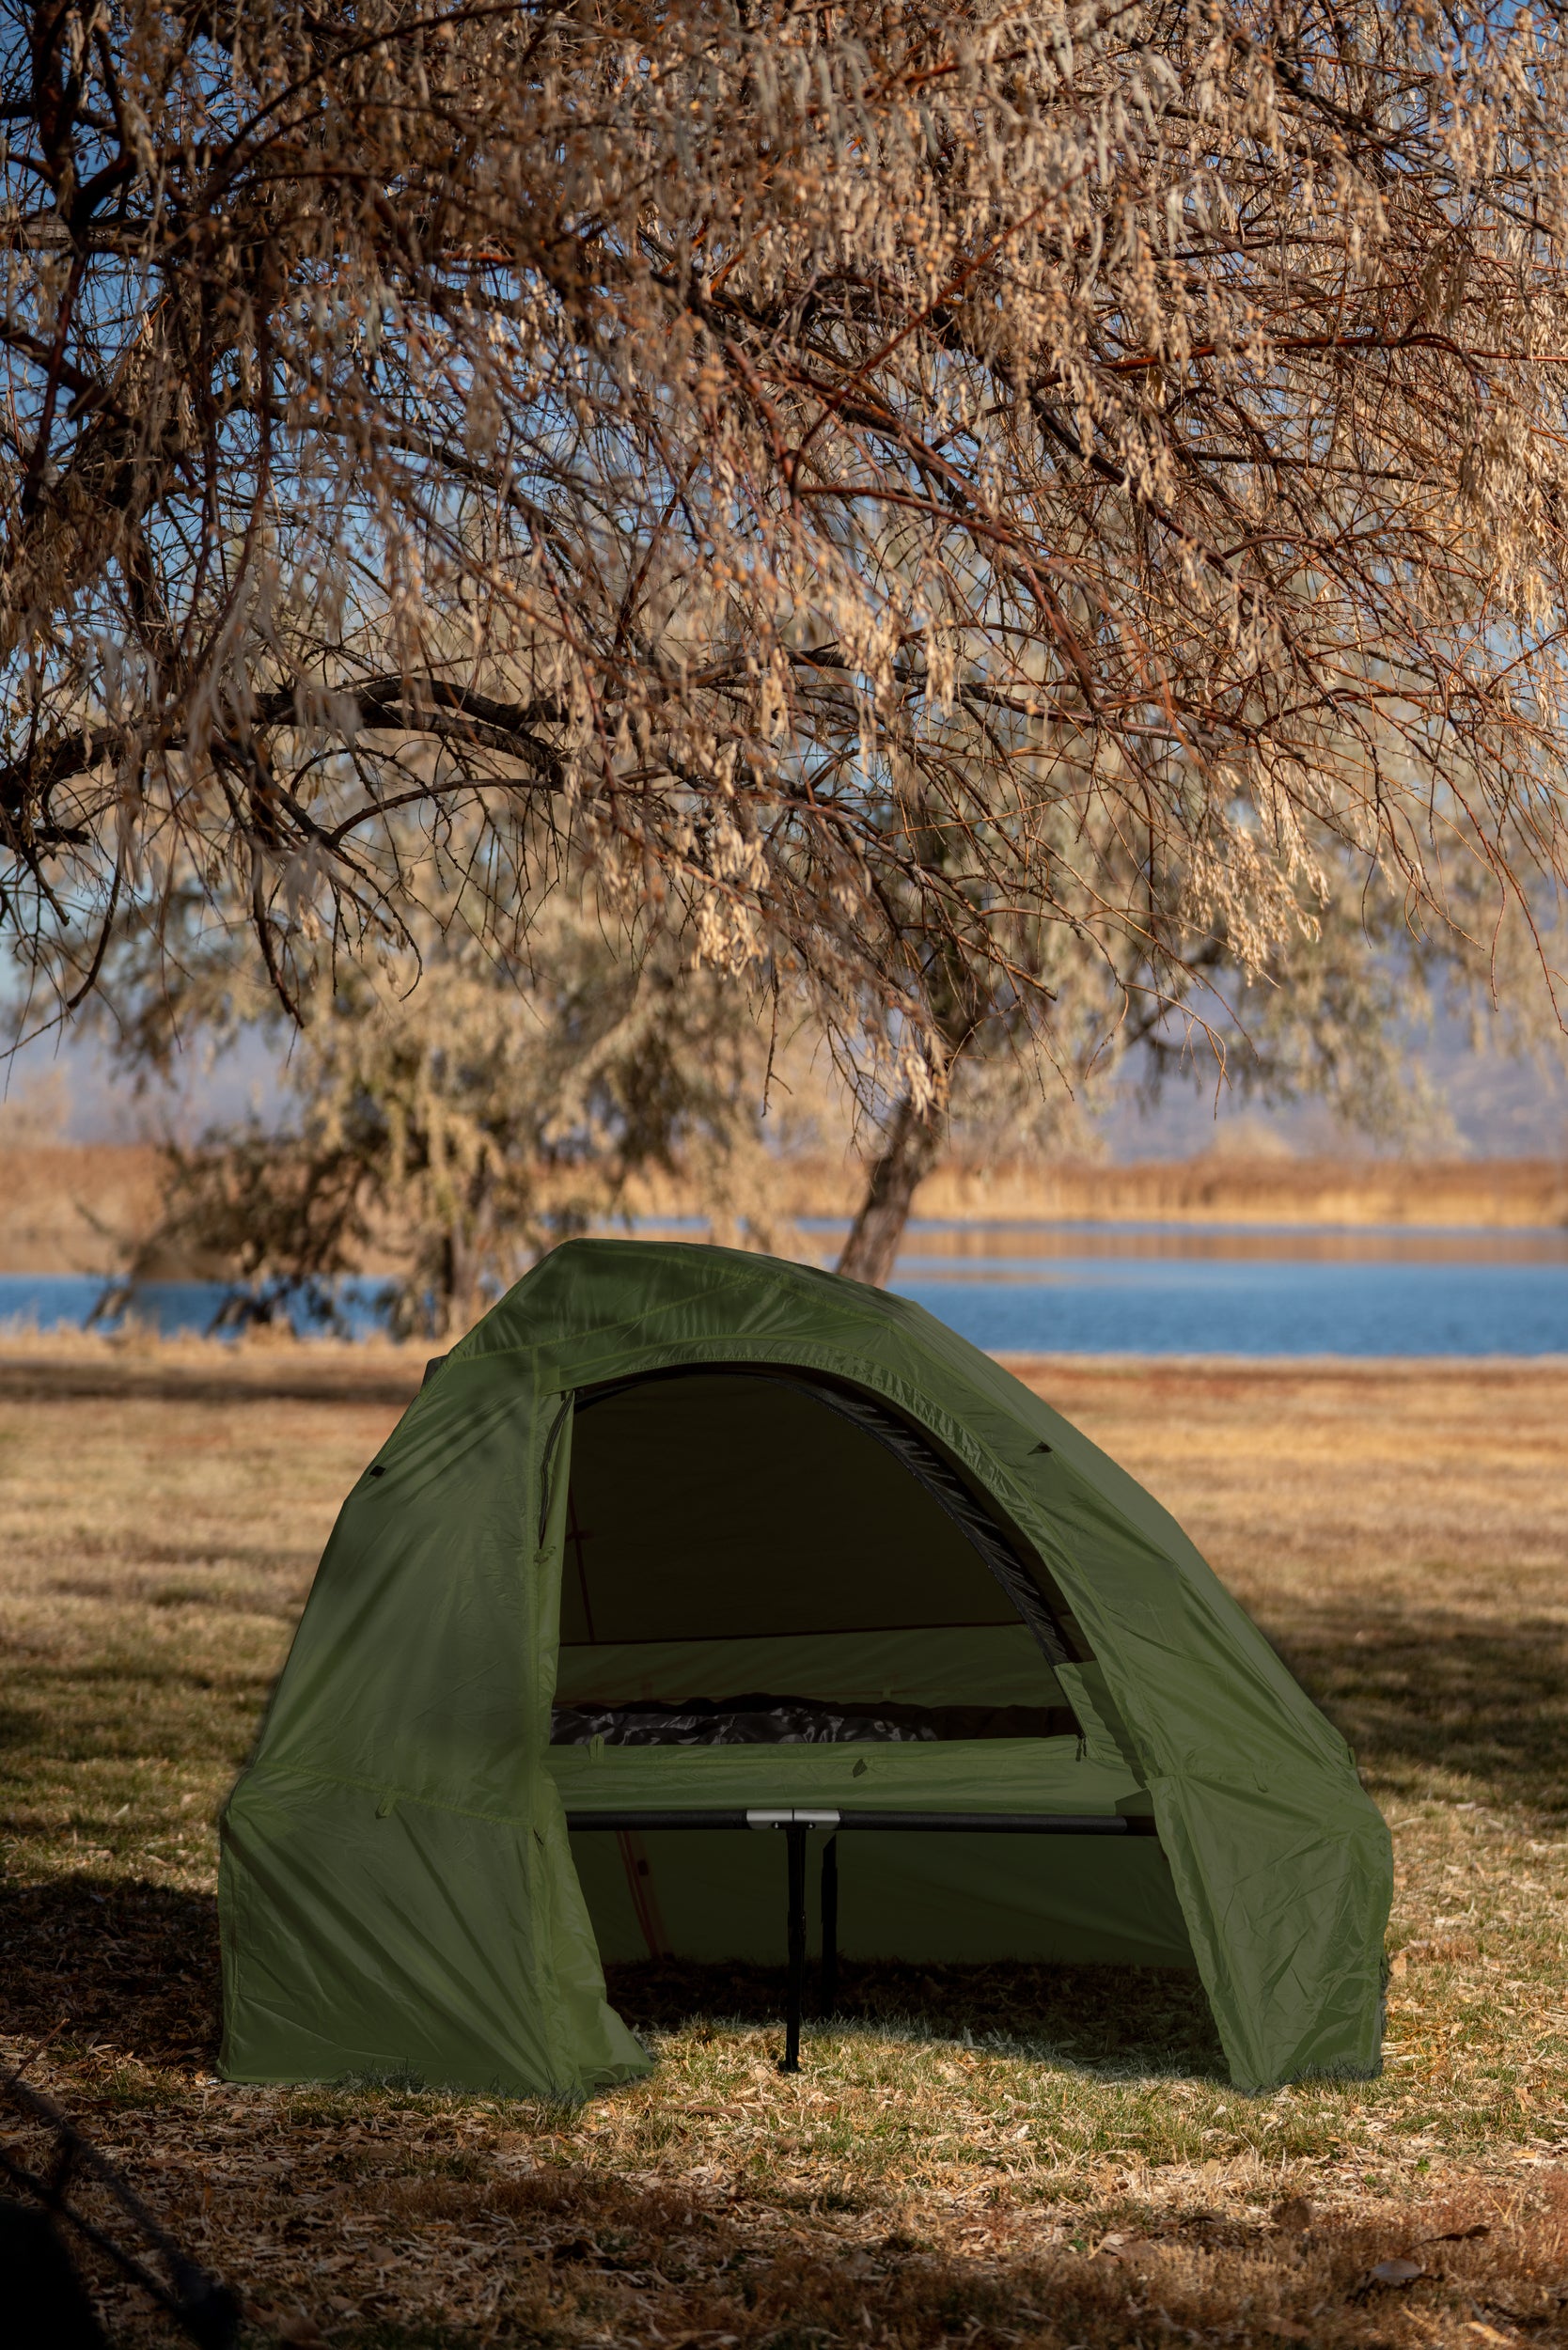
680, 1530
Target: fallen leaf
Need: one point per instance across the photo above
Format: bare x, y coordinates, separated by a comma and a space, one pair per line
1293, 2215
1395, 2272
302, 2330
1487, 2333
1398, 1964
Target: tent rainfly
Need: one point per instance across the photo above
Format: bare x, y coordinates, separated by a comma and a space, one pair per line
678, 1537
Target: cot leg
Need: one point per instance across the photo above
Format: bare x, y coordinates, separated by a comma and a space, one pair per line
795, 1838
830, 1926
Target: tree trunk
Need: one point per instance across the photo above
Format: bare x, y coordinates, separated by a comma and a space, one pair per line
914, 1144
459, 1301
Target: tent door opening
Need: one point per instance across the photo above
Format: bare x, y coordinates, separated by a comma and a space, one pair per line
778, 1599
755, 1558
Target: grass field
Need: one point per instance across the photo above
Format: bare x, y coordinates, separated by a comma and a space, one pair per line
990, 2158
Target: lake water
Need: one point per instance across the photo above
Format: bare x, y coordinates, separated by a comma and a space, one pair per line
1126, 1289
1244, 1290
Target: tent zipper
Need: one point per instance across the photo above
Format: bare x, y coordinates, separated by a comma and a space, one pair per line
546, 1493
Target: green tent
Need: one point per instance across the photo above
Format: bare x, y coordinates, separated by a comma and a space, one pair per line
680, 1530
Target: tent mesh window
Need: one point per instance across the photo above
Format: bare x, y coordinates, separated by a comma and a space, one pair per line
759, 1558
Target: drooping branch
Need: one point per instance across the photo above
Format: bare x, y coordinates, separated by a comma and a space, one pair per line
1122, 449
457, 716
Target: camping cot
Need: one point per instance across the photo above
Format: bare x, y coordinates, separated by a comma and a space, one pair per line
681, 1543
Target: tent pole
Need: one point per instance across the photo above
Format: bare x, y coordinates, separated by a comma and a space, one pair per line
795, 1838
830, 1926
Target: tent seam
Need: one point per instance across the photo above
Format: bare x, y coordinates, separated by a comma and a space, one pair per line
538, 1347
399, 1795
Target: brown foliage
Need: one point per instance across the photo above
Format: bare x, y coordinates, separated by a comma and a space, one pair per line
922, 495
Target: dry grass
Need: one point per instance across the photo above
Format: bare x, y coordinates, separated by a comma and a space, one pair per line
68, 1208
1215, 1187
993, 2156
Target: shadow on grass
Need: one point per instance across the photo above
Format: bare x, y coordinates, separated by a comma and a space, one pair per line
1115, 2019
19, 1729
1421, 1694
594, 2259
129, 1970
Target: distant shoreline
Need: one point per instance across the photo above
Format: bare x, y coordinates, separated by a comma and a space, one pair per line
73, 1207
1501, 1193
382, 1371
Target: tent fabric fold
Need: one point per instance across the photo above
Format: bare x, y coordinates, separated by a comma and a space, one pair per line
400, 1898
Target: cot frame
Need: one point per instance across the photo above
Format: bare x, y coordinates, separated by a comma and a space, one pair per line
798, 1823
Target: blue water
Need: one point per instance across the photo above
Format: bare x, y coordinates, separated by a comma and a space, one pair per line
1110, 1291
64, 1301
1208, 1305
